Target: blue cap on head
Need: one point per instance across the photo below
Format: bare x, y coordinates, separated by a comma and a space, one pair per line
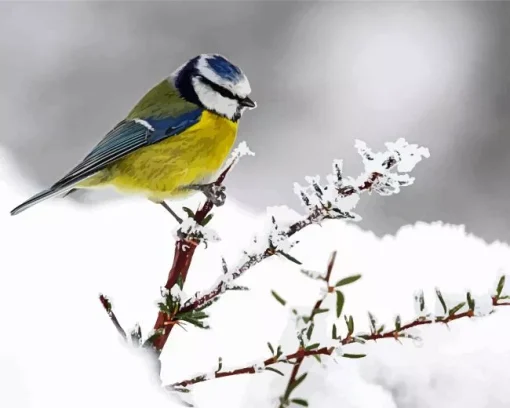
224, 68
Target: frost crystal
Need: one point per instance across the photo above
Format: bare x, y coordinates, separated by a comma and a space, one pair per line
324, 290
242, 150
190, 229
317, 276
259, 367
177, 294
410, 154
483, 305
420, 308
340, 195
279, 238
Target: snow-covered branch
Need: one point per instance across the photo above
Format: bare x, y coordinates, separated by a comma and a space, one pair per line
385, 173
468, 309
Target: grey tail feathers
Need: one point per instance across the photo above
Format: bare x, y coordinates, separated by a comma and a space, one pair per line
36, 199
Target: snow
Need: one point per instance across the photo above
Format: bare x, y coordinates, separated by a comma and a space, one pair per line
58, 347
242, 149
191, 229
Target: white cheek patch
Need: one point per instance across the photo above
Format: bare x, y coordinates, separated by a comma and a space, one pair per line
242, 88
212, 100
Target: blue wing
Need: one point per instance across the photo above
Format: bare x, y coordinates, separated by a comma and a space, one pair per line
125, 138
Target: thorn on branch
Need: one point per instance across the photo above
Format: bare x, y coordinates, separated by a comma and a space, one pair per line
105, 302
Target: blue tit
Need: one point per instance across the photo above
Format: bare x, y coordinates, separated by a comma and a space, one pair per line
176, 138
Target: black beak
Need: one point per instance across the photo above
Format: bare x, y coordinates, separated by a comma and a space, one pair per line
247, 102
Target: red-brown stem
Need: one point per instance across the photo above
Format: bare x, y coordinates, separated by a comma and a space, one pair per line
317, 306
108, 307
183, 255
301, 353
292, 230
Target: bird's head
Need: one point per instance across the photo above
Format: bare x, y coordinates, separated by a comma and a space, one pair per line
213, 82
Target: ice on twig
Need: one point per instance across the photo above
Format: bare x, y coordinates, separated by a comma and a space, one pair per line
241, 150
191, 230
177, 293
420, 308
382, 174
259, 366
483, 305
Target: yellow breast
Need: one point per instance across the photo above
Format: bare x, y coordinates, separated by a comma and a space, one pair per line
194, 156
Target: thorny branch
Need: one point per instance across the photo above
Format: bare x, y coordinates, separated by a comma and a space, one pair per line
400, 331
294, 380
317, 215
108, 308
184, 250
329, 202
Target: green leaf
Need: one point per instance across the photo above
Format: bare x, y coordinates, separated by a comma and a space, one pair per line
347, 355
183, 390
380, 329
194, 322
309, 331
317, 357
155, 334
373, 322
340, 300
189, 212
299, 401
279, 352
278, 298
312, 346
501, 285
319, 311
398, 323
348, 280
220, 364
270, 348
295, 384
180, 283
350, 324
470, 301
456, 308
420, 298
289, 257
334, 334
207, 219
441, 300
274, 370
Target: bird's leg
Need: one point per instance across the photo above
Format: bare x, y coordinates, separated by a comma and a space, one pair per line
167, 207
174, 214
212, 191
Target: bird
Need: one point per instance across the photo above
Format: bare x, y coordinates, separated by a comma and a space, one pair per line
172, 143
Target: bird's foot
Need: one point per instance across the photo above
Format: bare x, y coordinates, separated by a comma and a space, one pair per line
213, 192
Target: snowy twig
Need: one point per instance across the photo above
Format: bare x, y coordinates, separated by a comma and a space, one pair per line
377, 333
184, 250
294, 380
333, 201
108, 308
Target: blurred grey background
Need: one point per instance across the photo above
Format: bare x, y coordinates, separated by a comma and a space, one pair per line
324, 74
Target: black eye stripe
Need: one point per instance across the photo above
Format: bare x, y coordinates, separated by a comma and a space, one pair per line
222, 91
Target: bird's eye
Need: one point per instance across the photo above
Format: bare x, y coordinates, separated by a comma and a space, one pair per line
217, 88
